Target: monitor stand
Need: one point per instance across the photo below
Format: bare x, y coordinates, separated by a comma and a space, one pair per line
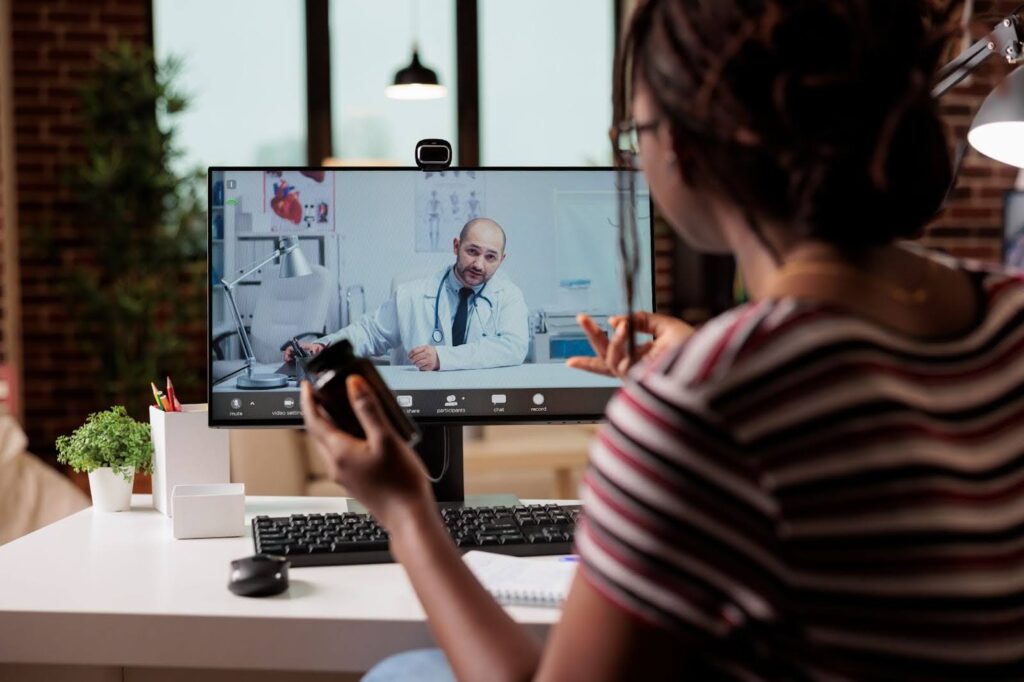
449, 491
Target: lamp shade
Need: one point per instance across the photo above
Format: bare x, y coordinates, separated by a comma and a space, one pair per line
415, 82
293, 262
998, 128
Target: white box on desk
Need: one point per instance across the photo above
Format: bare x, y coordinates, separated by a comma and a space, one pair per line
186, 451
209, 511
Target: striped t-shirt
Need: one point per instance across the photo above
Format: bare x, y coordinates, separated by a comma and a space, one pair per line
799, 493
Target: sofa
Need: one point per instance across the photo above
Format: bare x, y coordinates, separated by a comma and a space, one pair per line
32, 493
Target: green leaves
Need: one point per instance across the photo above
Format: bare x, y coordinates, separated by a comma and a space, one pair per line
108, 439
141, 286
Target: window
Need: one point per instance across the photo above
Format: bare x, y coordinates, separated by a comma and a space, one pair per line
245, 70
545, 82
370, 41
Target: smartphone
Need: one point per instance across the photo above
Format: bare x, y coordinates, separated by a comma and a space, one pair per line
297, 349
327, 372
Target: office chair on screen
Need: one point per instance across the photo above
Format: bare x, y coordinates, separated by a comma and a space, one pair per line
285, 307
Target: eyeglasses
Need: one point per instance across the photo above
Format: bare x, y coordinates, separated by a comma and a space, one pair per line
625, 139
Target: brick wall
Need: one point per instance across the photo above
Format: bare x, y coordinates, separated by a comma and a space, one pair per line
973, 224
9, 290
54, 43
3, 226
5, 48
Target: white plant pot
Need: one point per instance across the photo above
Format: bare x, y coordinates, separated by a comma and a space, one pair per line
110, 492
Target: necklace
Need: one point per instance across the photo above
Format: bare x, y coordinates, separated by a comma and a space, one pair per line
791, 279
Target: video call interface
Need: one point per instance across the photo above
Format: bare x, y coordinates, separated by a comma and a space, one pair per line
461, 286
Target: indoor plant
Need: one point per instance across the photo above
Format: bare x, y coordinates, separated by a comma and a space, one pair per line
110, 447
139, 291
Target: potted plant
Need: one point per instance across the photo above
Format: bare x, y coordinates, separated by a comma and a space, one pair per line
110, 447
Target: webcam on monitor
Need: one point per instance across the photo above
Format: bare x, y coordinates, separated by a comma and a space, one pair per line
433, 155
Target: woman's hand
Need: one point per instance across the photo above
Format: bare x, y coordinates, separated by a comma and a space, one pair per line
611, 358
382, 472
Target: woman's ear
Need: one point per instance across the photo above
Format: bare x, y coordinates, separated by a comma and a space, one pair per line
676, 160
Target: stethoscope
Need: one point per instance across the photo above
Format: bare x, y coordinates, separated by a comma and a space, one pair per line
438, 334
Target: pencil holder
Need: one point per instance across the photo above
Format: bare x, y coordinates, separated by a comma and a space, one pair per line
185, 451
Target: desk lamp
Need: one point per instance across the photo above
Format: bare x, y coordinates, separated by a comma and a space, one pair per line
293, 264
998, 128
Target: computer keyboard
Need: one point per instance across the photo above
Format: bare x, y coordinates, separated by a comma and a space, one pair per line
351, 538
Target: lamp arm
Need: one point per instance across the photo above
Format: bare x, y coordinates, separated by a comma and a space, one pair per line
1007, 39
250, 357
278, 253
229, 287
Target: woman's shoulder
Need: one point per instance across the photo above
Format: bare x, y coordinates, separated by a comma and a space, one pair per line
758, 339
722, 342
994, 279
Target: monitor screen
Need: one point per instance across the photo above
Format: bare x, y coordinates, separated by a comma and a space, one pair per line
461, 285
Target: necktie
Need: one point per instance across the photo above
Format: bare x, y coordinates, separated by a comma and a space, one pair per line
461, 315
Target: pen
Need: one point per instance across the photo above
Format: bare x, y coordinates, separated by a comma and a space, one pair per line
156, 396
171, 399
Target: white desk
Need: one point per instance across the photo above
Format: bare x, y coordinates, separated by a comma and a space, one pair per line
115, 589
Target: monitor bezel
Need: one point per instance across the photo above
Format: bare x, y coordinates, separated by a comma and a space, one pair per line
423, 420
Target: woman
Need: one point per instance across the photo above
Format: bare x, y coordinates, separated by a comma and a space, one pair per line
821, 484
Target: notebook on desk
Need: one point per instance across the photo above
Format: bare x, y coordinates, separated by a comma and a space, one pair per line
517, 581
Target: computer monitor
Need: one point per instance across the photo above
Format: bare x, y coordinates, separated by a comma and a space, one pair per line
462, 285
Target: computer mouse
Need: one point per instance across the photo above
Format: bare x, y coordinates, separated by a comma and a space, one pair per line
260, 575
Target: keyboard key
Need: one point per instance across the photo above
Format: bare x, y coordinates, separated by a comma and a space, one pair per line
266, 535
359, 546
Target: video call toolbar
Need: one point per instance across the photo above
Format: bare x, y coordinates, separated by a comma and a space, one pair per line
249, 406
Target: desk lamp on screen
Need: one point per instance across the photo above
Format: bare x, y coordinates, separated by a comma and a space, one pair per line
293, 264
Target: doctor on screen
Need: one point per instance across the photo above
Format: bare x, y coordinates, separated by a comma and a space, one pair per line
467, 316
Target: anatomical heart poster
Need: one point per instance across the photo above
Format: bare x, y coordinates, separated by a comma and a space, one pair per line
299, 201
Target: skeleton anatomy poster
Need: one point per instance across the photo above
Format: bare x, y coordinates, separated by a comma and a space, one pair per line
445, 201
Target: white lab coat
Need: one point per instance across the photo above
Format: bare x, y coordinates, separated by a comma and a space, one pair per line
497, 333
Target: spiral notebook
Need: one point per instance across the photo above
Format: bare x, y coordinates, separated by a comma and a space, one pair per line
518, 581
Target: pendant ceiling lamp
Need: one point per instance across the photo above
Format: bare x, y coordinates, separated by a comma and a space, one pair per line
415, 81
